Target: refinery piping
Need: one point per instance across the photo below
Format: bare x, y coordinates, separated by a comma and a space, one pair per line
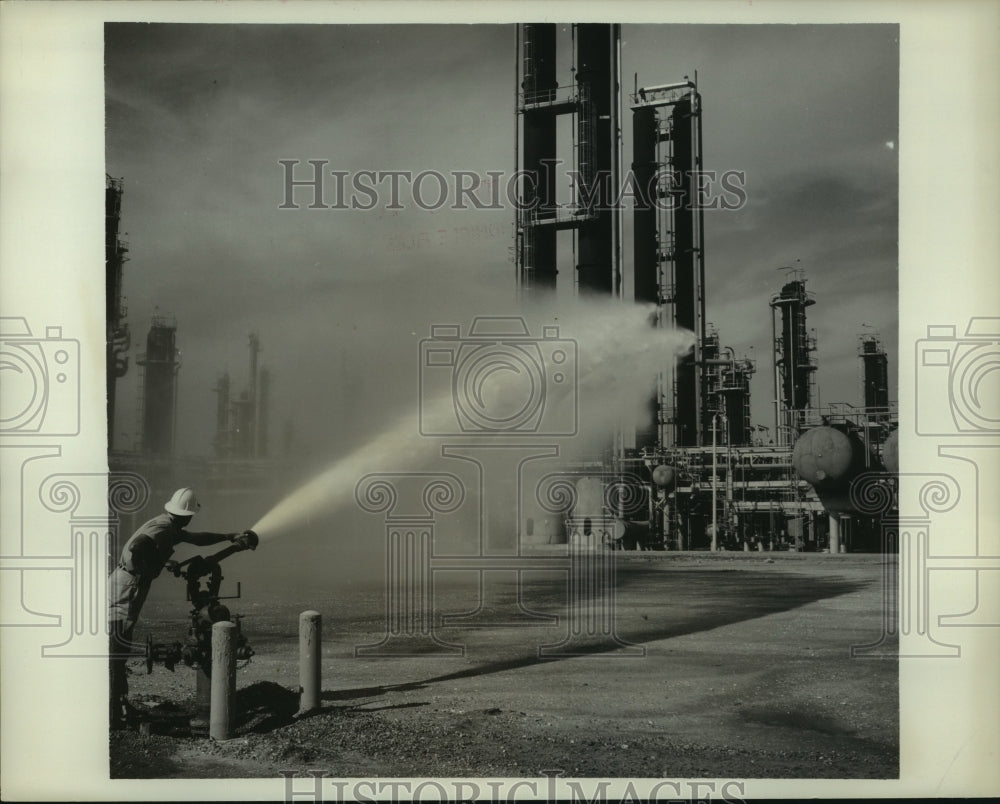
706, 478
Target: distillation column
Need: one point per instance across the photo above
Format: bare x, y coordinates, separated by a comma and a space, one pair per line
876, 375
592, 101
537, 246
223, 437
118, 337
596, 145
159, 394
794, 364
649, 285
668, 246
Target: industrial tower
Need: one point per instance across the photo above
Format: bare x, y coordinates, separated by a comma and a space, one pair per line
669, 250
241, 423
725, 382
795, 365
593, 101
705, 480
875, 365
876, 420
118, 336
158, 397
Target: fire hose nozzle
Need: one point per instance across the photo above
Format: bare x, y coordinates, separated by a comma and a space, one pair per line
248, 540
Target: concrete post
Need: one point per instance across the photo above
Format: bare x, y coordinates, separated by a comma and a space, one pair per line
220, 721
834, 534
310, 649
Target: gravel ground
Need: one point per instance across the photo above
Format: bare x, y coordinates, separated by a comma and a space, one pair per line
746, 674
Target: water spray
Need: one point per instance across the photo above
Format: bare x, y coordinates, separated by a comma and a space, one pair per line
620, 357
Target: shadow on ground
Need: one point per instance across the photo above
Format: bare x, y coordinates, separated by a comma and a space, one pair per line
758, 594
266, 706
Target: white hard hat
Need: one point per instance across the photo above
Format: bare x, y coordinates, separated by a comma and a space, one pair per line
183, 503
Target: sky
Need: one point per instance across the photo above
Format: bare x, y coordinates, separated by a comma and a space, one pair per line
198, 117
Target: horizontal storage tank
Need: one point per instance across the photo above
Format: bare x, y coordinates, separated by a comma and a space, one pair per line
828, 458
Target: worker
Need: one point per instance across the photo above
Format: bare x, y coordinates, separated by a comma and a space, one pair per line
143, 558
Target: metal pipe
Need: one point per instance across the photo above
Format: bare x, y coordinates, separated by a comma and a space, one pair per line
616, 181
517, 149
715, 466
665, 87
642, 102
729, 472
777, 390
220, 719
699, 219
615, 104
310, 648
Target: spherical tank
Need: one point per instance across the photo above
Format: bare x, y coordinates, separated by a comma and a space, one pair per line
825, 457
663, 476
890, 453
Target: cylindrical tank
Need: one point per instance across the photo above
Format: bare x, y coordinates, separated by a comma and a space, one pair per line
890, 453
795, 526
587, 516
664, 476
828, 458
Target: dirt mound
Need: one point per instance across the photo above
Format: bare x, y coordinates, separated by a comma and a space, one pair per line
265, 706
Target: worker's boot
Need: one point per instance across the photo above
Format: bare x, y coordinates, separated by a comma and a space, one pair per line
119, 717
126, 716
